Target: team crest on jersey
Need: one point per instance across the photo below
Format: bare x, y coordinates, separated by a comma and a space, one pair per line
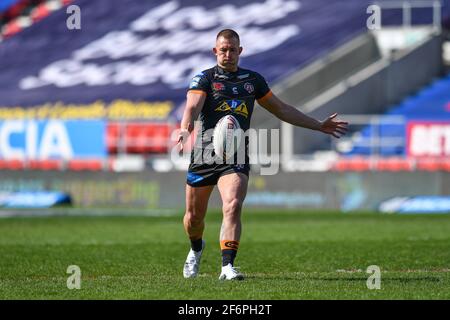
249, 87
218, 86
235, 106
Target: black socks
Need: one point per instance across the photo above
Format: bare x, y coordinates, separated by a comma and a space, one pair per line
196, 245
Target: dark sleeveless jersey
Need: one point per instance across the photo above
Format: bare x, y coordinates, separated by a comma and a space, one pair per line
227, 93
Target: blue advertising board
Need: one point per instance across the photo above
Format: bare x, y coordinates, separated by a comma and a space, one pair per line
33, 199
52, 139
418, 204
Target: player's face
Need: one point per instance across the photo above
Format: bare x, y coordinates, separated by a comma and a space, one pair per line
227, 52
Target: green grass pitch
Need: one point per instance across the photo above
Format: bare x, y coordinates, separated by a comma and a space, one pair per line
284, 255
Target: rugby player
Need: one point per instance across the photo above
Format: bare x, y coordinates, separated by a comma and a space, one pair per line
213, 93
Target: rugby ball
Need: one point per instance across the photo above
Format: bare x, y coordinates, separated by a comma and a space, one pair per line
227, 137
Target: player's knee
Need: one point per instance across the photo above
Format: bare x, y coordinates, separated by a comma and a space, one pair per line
192, 217
232, 208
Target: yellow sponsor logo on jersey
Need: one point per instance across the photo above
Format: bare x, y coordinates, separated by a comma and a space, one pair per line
235, 106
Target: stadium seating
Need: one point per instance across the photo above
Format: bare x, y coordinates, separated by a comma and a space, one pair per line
394, 164
353, 164
11, 164
85, 164
40, 12
45, 165
430, 104
138, 137
19, 14
6, 5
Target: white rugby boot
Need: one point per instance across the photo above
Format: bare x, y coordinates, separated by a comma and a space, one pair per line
192, 264
230, 273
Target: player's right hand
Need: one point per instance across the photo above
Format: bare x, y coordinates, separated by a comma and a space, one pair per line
182, 138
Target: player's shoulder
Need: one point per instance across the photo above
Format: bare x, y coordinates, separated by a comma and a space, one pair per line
200, 80
205, 74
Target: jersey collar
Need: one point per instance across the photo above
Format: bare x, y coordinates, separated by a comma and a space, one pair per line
222, 74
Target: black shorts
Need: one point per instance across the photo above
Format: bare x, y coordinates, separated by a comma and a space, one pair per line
208, 174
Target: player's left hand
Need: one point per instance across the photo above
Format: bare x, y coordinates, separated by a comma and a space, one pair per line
334, 128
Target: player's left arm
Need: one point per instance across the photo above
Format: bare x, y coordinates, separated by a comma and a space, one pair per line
292, 115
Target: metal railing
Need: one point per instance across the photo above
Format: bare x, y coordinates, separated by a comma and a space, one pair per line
324, 159
407, 6
376, 140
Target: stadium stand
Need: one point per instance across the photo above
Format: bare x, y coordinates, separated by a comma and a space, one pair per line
430, 104
367, 91
19, 14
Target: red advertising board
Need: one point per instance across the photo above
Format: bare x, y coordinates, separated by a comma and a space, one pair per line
428, 139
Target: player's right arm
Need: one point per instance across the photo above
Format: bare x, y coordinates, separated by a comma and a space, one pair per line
194, 104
